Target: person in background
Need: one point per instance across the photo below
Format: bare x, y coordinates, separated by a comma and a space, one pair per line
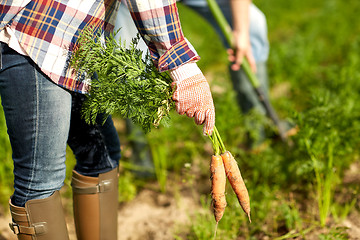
40, 95
250, 41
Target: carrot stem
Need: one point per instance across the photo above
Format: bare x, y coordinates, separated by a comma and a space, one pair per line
215, 143
220, 142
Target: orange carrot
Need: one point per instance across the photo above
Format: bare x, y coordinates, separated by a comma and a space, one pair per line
237, 183
233, 174
218, 181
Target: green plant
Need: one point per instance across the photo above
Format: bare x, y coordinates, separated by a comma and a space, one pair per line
341, 211
127, 187
202, 225
159, 155
291, 215
6, 164
124, 82
294, 234
324, 138
337, 233
324, 182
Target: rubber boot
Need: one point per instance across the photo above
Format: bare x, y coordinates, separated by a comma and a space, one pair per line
95, 201
40, 219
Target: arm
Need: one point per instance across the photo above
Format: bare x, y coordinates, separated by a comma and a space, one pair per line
159, 25
242, 47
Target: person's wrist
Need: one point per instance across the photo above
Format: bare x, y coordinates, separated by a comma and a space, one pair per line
185, 71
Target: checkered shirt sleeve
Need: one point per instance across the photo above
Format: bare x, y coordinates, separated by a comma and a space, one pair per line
159, 24
47, 30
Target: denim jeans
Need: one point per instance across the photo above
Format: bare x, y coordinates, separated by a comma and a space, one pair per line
41, 121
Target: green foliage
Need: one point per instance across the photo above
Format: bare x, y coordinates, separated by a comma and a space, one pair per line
127, 187
291, 216
6, 165
341, 211
338, 233
160, 164
124, 83
320, 63
203, 225
204, 38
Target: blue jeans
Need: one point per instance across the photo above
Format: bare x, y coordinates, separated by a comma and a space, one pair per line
40, 123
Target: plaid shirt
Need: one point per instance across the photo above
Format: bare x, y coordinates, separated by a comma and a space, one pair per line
47, 31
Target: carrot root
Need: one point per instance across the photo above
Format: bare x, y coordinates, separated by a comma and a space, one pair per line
218, 181
237, 183
232, 172
216, 226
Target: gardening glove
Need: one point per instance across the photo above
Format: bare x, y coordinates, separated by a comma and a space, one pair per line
192, 96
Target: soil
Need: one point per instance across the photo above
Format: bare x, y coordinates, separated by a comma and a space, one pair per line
153, 215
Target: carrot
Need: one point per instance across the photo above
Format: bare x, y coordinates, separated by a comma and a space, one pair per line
237, 183
218, 181
223, 163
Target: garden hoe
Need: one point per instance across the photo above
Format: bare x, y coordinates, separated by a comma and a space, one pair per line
226, 29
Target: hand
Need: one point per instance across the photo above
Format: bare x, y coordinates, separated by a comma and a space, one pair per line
242, 48
241, 35
193, 98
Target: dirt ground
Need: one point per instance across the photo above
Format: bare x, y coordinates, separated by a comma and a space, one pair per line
150, 216
153, 215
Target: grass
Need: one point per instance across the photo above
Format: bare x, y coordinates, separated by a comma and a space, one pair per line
294, 191
6, 166
319, 64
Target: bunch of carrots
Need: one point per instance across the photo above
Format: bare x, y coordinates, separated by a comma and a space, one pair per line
223, 165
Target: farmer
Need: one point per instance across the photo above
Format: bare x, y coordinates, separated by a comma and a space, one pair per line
41, 98
250, 41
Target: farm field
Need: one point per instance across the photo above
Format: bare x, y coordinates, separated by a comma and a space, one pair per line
306, 190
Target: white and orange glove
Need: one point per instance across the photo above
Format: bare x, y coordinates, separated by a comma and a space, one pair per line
192, 96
